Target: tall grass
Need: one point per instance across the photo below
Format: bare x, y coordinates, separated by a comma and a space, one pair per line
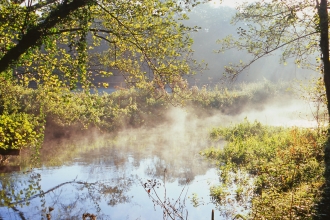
286, 164
61, 111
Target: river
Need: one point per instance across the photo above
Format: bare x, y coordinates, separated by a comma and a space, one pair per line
126, 176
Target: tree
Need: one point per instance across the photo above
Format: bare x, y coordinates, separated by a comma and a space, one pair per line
62, 44
299, 28
55, 41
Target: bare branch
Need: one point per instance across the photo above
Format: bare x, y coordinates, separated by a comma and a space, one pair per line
235, 72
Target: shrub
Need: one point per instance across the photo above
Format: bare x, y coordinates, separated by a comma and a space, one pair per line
286, 165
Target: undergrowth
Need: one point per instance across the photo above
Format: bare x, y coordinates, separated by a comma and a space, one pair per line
125, 108
234, 100
54, 113
286, 166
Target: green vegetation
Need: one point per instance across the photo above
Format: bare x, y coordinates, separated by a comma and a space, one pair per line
295, 29
285, 164
289, 166
64, 110
233, 100
62, 46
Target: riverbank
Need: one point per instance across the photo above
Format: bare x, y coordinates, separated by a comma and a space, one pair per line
287, 165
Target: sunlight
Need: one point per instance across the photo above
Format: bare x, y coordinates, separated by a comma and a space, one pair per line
215, 3
229, 3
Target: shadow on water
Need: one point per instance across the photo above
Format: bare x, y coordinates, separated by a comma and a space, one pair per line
323, 207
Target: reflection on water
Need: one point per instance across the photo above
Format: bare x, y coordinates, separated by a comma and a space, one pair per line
104, 176
111, 189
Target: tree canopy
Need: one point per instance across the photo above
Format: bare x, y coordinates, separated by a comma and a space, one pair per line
67, 42
61, 45
298, 28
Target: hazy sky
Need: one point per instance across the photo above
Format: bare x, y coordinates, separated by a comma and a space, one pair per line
230, 3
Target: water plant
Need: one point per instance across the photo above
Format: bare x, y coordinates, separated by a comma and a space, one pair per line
172, 208
285, 164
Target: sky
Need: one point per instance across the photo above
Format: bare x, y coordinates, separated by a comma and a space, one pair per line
230, 3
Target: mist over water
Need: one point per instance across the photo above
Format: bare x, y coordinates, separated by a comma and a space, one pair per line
118, 168
286, 112
104, 174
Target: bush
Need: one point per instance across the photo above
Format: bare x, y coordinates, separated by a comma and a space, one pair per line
287, 165
17, 131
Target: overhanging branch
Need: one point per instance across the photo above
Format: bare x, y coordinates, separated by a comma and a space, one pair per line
33, 36
261, 55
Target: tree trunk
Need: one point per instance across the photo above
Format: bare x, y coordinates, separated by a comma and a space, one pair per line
323, 206
35, 34
324, 44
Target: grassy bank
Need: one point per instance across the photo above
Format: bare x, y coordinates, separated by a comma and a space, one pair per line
54, 114
278, 172
286, 166
34, 109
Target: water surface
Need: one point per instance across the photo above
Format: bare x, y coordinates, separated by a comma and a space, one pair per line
110, 176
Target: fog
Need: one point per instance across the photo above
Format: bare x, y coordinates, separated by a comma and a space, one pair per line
183, 132
122, 159
214, 21
121, 163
